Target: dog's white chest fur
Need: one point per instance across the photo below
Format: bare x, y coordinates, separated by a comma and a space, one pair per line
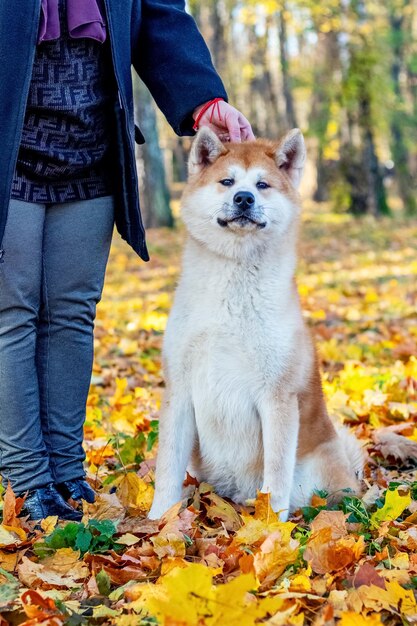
229, 340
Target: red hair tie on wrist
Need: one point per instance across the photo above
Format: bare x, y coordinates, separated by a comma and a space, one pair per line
213, 103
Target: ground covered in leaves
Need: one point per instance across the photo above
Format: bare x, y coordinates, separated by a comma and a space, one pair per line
209, 562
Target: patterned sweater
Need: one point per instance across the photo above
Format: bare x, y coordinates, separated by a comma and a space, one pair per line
67, 135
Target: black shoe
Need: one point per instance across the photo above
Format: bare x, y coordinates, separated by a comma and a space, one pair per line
77, 489
46, 501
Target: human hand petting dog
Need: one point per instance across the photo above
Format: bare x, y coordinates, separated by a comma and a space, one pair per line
226, 121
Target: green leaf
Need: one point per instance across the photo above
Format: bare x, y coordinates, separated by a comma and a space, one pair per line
310, 512
103, 583
41, 550
83, 540
63, 537
153, 435
9, 590
133, 449
104, 527
357, 510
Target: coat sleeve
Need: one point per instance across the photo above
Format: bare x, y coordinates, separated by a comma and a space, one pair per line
174, 62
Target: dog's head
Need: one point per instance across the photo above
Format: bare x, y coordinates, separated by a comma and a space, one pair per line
243, 197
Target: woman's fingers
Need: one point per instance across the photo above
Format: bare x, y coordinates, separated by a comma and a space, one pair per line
227, 122
246, 130
232, 122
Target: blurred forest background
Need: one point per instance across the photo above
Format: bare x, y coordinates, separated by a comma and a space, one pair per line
344, 71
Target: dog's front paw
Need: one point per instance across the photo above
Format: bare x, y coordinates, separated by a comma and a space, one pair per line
160, 506
283, 514
157, 511
281, 506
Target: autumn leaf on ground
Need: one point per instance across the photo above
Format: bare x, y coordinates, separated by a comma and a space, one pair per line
11, 508
106, 506
330, 547
41, 610
187, 596
349, 618
11, 536
353, 565
394, 505
135, 494
218, 508
62, 570
273, 556
393, 597
393, 445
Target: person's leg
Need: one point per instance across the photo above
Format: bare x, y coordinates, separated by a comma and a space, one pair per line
23, 455
77, 239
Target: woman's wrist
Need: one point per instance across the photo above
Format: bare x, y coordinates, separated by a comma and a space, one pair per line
202, 108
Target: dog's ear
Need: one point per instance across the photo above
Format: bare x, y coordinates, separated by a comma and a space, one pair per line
291, 155
205, 150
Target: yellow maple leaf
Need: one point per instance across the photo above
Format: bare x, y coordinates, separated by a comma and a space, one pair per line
188, 596
263, 508
349, 618
135, 494
183, 594
255, 530
48, 524
274, 555
392, 597
394, 505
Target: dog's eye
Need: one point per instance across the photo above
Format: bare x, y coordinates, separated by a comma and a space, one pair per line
262, 185
227, 182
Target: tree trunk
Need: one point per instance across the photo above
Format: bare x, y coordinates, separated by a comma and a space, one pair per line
399, 149
369, 175
286, 80
154, 194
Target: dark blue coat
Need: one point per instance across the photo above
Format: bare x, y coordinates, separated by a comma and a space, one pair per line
163, 44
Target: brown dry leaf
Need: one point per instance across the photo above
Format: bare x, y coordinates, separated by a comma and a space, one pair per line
326, 554
132, 557
169, 543
335, 520
218, 508
136, 526
11, 508
366, 574
62, 570
393, 445
135, 494
106, 506
118, 572
127, 539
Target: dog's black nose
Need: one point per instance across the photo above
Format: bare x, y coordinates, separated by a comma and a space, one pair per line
244, 200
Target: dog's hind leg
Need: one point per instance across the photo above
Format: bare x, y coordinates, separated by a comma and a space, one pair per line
177, 433
334, 466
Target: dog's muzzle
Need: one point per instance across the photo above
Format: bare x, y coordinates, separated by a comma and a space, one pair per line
243, 211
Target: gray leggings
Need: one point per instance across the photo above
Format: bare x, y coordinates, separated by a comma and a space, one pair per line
50, 282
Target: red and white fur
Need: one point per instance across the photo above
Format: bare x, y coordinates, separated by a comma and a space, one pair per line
244, 407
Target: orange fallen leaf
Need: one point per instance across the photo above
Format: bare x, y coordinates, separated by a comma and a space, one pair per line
41, 610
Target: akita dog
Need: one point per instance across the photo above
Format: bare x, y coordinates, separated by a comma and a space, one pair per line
244, 407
